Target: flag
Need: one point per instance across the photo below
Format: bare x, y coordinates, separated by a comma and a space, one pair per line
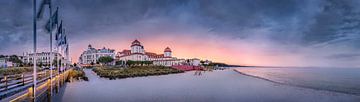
41, 9
54, 20
67, 49
58, 40
59, 32
65, 40
62, 39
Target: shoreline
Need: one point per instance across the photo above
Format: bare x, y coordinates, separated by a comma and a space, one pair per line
226, 85
292, 85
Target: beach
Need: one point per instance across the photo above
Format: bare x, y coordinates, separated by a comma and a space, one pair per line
217, 86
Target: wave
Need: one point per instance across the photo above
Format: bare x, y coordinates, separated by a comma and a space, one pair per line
297, 85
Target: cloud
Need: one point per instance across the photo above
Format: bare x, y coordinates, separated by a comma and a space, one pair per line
299, 33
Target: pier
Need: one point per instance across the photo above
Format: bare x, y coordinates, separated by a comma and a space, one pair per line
15, 88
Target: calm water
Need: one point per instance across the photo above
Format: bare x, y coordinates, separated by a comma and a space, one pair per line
217, 86
344, 80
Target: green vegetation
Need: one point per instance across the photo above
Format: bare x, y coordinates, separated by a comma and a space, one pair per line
12, 71
134, 63
74, 64
134, 71
77, 74
218, 64
56, 63
105, 60
15, 59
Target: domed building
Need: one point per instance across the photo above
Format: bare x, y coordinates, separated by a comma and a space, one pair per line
137, 53
167, 52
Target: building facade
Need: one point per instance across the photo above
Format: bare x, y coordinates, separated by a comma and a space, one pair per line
137, 53
91, 55
3, 63
42, 58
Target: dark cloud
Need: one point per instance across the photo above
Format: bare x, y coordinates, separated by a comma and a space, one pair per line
302, 23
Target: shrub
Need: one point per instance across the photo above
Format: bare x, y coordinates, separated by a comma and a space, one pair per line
134, 71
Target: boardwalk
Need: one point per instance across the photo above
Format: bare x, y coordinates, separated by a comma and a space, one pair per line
20, 89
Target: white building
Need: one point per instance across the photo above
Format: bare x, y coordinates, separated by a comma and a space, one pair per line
42, 57
3, 63
91, 55
137, 53
194, 62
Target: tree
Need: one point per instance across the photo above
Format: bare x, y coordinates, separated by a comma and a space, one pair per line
202, 62
92, 63
55, 62
105, 60
130, 62
40, 64
119, 62
15, 59
148, 63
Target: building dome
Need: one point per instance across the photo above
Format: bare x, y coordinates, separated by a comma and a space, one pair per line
136, 43
167, 49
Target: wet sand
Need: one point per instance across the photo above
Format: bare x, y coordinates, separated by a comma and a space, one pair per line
217, 86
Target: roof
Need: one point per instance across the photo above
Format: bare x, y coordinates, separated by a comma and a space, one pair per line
136, 43
167, 49
125, 52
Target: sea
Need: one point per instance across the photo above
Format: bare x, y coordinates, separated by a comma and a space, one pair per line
342, 80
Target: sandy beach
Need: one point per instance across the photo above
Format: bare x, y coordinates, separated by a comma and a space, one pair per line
216, 86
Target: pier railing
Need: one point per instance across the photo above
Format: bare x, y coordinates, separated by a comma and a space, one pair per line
19, 87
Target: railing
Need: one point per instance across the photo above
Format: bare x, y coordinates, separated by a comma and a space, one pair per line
20, 86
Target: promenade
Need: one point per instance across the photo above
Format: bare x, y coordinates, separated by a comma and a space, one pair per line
20, 89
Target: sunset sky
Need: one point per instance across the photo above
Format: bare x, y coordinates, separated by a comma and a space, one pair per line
245, 32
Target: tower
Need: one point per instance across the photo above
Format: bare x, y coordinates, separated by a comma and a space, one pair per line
136, 47
89, 46
167, 52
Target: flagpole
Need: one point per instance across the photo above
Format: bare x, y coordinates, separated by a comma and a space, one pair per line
51, 52
34, 59
58, 61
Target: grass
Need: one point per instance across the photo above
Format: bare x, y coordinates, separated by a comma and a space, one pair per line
77, 75
136, 71
12, 71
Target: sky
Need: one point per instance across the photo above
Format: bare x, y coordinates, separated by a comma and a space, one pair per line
321, 33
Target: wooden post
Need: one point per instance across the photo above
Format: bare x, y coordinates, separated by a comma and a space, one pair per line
23, 79
57, 85
49, 90
31, 94
59, 80
63, 79
6, 83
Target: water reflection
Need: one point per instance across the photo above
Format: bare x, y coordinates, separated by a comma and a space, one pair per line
198, 72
